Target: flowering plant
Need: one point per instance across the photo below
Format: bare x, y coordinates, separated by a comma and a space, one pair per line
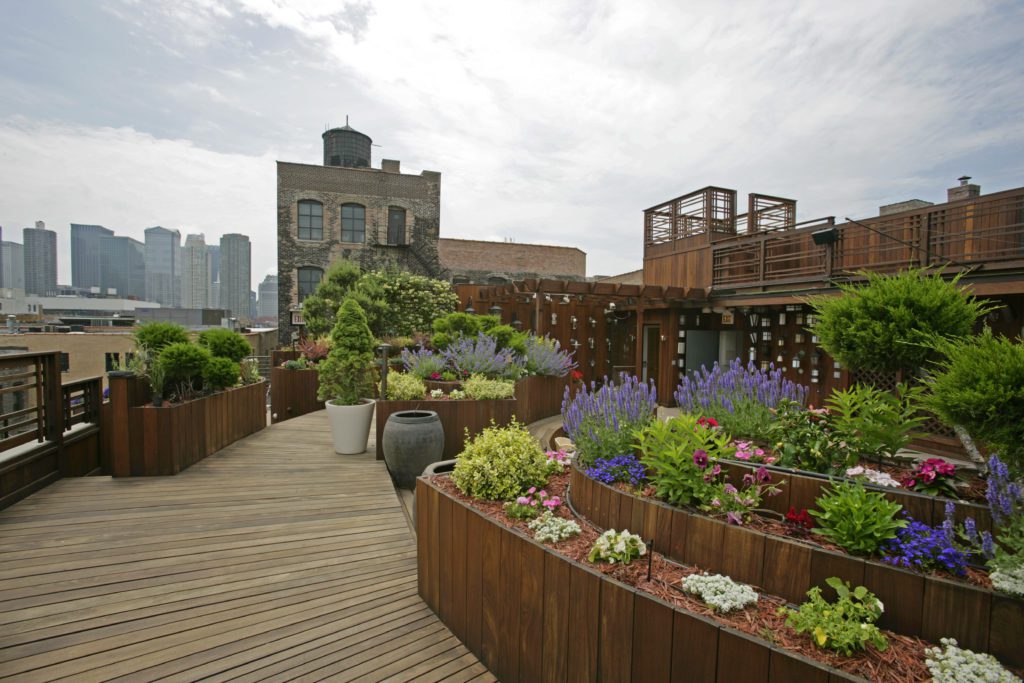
577, 375
952, 664
424, 363
925, 548
532, 504
934, 476
799, 519
624, 468
457, 394
876, 477
549, 528
557, 460
739, 398
615, 547
846, 625
602, 422
806, 439
437, 393
545, 357
481, 356
1006, 505
719, 592
751, 453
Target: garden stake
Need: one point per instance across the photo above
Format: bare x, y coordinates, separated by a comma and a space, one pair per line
650, 557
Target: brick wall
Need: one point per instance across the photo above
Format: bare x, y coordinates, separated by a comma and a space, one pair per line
479, 261
377, 190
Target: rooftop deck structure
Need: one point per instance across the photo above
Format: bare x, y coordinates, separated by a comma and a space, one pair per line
274, 559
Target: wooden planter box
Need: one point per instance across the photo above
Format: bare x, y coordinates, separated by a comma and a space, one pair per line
539, 397
915, 604
456, 418
801, 488
169, 439
293, 393
530, 614
446, 387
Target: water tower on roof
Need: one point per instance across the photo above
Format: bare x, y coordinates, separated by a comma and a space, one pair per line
346, 147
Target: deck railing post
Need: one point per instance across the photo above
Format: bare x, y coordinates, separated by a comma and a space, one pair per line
53, 407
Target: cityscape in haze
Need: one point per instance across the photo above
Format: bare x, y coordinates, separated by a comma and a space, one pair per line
162, 271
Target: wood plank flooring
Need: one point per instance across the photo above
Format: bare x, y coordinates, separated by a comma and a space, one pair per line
272, 560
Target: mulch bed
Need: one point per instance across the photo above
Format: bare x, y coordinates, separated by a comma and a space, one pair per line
903, 661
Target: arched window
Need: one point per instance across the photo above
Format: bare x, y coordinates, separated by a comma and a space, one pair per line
353, 223
311, 220
308, 279
396, 225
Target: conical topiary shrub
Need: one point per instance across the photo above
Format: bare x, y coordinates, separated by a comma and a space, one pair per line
346, 375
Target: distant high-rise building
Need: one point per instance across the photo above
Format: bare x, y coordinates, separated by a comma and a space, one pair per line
12, 265
252, 305
267, 306
86, 250
123, 267
40, 251
194, 273
163, 266
213, 271
235, 274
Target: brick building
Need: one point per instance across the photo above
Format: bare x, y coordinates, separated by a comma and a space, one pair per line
345, 209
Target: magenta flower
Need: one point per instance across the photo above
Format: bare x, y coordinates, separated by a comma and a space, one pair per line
716, 470
763, 476
734, 518
532, 489
523, 500
730, 489
748, 479
700, 458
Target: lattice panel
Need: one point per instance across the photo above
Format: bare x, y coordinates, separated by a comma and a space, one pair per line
885, 381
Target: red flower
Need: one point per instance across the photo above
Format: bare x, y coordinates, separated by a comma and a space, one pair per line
707, 422
800, 519
577, 375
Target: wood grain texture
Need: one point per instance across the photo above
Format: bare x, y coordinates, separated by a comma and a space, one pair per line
272, 559
456, 417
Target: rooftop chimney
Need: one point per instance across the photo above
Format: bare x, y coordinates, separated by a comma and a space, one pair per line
390, 166
965, 190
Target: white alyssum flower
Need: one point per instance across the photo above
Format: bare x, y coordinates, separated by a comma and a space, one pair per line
549, 528
874, 476
719, 592
1009, 579
615, 547
951, 664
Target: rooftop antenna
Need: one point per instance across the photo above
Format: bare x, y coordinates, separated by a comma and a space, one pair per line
346, 119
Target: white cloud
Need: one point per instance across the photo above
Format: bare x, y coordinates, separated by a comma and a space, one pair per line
129, 181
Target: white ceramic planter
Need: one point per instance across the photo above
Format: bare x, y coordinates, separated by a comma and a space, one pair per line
350, 426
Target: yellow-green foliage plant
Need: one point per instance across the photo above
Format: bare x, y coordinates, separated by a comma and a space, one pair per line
500, 463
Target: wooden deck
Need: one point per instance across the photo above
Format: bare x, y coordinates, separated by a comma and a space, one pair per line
274, 559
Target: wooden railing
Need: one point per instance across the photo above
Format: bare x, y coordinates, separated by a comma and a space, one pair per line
986, 230
47, 430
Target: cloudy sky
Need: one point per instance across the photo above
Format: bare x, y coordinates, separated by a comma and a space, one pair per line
551, 121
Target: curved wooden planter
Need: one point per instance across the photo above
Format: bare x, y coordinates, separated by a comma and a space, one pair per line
293, 393
915, 604
530, 614
802, 488
456, 417
539, 397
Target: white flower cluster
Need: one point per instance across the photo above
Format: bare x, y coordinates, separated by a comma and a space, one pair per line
720, 592
874, 476
954, 665
1009, 580
613, 546
436, 393
549, 528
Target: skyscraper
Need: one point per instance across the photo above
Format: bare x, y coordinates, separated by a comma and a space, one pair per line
86, 248
194, 273
267, 307
213, 282
235, 274
123, 267
163, 266
12, 265
40, 260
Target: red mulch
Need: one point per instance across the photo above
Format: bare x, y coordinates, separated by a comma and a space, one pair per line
902, 662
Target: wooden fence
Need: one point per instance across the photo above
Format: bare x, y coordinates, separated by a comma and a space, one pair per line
530, 614
47, 430
457, 417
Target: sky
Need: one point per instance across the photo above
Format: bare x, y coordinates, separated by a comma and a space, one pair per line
552, 122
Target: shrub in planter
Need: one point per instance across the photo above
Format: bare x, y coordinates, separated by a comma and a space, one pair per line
424, 364
879, 423
346, 374
403, 386
846, 626
499, 463
183, 363
545, 357
225, 343
221, 373
249, 371
480, 355
154, 337
483, 389
806, 439
979, 384
450, 328
891, 322
856, 519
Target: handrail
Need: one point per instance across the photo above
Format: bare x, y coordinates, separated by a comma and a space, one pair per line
81, 402
30, 399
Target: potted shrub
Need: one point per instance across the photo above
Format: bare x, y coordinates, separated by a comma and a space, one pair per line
346, 380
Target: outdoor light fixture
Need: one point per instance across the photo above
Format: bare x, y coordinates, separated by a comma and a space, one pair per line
826, 236
495, 310
469, 306
590, 342
547, 298
565, 299
782, 318
573, 320
554, 318
754, 317
592, 321
574, 343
